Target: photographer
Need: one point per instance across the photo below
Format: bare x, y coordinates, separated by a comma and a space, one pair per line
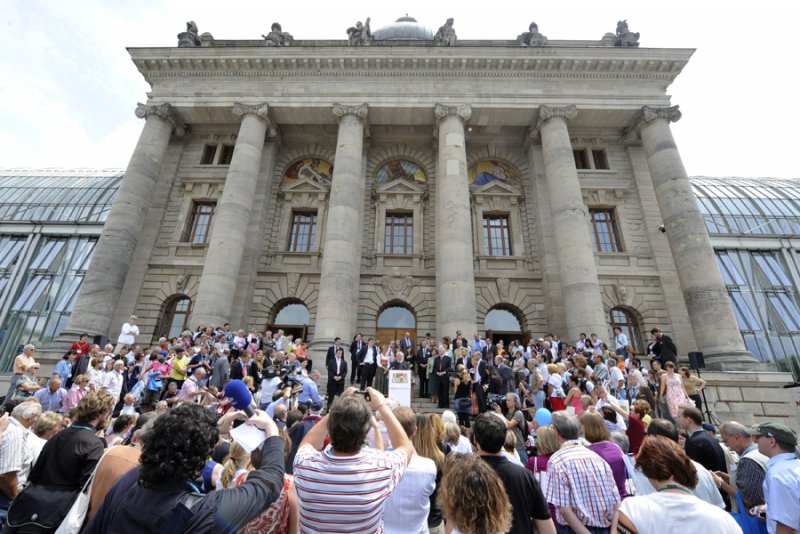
160, 495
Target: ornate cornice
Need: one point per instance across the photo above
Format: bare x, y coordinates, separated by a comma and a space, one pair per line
646, 116
162, 111
261, 110
463, 112
360, 112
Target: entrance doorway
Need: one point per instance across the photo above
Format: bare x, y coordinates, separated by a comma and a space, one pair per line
502, 324
292, 318
393, 323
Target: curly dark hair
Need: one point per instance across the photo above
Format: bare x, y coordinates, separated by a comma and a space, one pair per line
179, 445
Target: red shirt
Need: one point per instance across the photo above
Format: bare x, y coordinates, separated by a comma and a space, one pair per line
636, 433
80, 348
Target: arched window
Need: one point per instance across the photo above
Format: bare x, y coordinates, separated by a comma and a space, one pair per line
620, 317
499, 320
292, 314
175, 318
396, 317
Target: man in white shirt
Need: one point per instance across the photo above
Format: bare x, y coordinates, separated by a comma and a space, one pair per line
15, 452
616, 380
580, 345
781, 485
620, 341
112, 382
406, 510
595, 343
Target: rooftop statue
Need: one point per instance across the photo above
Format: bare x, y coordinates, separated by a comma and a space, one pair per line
532, 37
446, 36
189, 38
359, 34
625, 37
277, 37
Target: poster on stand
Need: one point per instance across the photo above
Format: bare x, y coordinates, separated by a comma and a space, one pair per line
400, 387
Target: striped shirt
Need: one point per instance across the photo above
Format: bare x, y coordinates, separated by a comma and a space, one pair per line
581, 480
345, 494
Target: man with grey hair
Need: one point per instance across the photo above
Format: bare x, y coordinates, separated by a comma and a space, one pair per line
748, 475
16, 455
580, 483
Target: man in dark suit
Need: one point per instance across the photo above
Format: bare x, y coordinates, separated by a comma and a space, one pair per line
357, 350
663, 347
368, 362
406, 343
337, 373
491, 351
441, 366
243, 367
399, 364
465, 360
479, 378
701, 447
421, 359
337, 343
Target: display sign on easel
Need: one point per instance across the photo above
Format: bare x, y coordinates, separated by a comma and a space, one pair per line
400, 387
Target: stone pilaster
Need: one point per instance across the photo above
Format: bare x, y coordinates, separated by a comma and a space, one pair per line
217, 289
340, 271
102, 285
583, 304
707, 300
455, 270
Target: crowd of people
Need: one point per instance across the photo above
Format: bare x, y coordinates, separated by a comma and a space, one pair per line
541, 436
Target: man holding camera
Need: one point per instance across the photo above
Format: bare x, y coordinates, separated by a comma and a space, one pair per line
347, 479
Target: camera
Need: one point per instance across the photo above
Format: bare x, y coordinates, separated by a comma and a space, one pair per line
493, 400
365, 394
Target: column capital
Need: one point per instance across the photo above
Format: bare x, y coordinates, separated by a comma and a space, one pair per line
163, 111
360, 111
261, 110
547, 112
649, 114
463, 112
646, 116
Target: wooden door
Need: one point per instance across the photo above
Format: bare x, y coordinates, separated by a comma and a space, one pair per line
384, 335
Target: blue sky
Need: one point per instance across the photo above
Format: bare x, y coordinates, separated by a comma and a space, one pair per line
68, 88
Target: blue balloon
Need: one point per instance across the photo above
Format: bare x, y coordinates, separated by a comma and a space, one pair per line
543, 417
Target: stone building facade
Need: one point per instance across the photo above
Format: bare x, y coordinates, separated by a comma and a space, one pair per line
434, 179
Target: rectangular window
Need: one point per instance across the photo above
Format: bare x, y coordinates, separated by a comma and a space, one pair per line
200, 222
604, 225
399, 233
226, 155
209, 151
600, 159
496, 235
303, 231
581, 161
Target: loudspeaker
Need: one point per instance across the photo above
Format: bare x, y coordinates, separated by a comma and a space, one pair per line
696, 360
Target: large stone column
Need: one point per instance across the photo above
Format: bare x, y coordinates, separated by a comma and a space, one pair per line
707, 301
340, 272
583, 304
217, 289
455, 270
102, 285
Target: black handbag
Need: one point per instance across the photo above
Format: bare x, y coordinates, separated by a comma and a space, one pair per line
43, 505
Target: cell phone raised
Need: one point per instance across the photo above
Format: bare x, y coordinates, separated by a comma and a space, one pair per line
365, 394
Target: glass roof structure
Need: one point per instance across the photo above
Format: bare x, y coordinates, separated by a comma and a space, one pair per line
57, 195
739, 206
